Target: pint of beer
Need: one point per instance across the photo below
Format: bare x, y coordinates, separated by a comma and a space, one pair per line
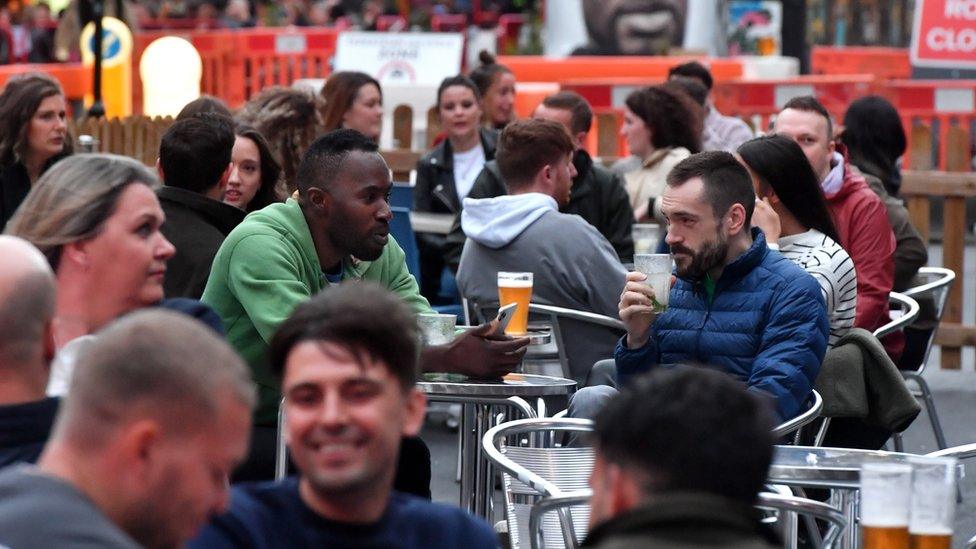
886, 490
516, 288
933, 503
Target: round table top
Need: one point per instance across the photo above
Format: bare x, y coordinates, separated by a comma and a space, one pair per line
524, 385
827, 467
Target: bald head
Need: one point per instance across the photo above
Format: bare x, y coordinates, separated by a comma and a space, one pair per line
153, 364
27, 289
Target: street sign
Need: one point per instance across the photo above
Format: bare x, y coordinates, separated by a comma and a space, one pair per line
944, 34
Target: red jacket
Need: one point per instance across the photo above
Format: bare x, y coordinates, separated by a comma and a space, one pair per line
862, 223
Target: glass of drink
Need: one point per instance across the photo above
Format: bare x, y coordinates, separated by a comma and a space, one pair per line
436, 329
886, 490
516, 288
933, 503
657, 267
646, 236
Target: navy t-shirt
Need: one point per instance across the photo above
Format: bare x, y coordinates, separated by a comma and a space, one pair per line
272, 514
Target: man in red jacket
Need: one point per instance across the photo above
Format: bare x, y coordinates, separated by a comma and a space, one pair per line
858, 213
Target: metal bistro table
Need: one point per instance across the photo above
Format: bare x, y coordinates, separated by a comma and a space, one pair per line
482, 399
835, 469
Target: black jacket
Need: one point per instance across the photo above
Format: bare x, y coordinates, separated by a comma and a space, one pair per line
197, 226
678, 520
14, 186
598, 196
24, 429
434, 190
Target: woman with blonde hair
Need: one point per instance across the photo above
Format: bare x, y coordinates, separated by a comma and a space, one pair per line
96, 219
33, 136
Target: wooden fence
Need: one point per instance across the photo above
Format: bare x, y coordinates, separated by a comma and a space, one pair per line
139, 136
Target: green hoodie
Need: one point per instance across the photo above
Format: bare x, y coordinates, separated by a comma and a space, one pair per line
265, 268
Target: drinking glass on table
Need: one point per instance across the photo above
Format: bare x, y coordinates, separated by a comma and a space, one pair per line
657, 267
436, 329
646, 237
886, 490
933, 506
516, 288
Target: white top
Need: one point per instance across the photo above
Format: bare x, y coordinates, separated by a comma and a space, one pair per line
63, 365
833, 269
467, 166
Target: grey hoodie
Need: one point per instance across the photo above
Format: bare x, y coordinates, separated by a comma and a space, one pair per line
573, 265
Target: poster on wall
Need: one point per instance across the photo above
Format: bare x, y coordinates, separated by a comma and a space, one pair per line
944, 34
400, 57
614, 27
755, 27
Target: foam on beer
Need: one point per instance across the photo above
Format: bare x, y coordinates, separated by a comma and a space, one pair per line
515, 283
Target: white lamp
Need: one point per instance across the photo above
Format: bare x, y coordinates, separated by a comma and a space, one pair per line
170, 70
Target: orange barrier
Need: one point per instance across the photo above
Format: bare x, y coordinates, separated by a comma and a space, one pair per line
75, 79
882, 63
536, 68
939, 111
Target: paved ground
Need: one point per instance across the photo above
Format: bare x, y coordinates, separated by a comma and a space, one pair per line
955, 393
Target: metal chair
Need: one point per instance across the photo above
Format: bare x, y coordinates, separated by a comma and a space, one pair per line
938, 286
964, 451
907, 313
534, 468
557, 318
804, 418
281, 452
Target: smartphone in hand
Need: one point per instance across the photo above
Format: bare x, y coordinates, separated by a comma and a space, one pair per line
505, 315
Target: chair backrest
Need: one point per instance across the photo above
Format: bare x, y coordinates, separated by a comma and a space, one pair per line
807, 507
907, 313
815, 405
574, 333
534, 467
964, 451
937, 282
402, 231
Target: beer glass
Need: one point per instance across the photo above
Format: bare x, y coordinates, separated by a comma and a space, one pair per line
886, 490
516, 288
436, 329
933, 503
657, 267
646, 236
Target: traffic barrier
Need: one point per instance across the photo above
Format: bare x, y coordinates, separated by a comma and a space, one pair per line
596, 69
882, 63
940, 113
74, 78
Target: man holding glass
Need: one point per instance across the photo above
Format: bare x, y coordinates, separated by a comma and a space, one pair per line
735, 304
568, 262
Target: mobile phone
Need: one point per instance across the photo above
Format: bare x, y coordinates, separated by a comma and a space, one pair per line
505, 315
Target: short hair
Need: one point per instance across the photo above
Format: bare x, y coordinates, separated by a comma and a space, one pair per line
155, 363
526, 146
289, 119
690, 86
26, 303
19, 101
581, 119
673, 118
323, 160
364, 318
194, 152
73, 199
780, 164
269, 192
689, 428
459, 80
809, 103
693, 69
339, 94
204, 104
484, 75
726, 181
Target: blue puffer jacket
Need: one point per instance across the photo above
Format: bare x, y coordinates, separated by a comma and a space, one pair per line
766, 325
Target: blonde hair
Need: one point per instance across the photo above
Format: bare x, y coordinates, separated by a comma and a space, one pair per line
72, 200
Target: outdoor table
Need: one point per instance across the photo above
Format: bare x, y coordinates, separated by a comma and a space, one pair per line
481, 399
835, 469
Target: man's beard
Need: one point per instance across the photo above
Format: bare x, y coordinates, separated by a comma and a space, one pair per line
712, 254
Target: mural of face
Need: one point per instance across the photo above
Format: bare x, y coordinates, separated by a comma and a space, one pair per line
635, 27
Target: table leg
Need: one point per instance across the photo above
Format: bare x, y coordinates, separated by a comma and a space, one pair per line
846, 501
468, 457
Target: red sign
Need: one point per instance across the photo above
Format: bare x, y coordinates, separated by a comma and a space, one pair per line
944, 34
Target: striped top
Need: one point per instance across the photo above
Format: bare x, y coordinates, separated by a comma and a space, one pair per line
833, 269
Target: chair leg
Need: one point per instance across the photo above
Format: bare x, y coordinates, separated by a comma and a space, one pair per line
929, 402
899, 444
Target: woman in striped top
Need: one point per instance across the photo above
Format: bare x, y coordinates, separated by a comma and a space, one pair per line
792, 211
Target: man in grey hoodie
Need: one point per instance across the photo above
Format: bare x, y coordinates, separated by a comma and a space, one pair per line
573, 265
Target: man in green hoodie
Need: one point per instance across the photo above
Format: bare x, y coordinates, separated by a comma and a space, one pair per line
336, 230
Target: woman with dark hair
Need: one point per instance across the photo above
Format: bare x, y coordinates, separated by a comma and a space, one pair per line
33, 136
496, 85
875, 139
446, 174
353, 100
662, 127
792, 211
253, 182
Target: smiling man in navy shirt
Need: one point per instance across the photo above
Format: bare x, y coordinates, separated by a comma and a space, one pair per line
347, 360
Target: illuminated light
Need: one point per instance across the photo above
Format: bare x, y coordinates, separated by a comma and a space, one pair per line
170, 70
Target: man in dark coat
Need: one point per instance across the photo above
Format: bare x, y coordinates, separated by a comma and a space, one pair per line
597, 195
194, 164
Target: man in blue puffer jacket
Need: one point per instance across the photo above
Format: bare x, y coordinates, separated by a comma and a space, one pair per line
736, 304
